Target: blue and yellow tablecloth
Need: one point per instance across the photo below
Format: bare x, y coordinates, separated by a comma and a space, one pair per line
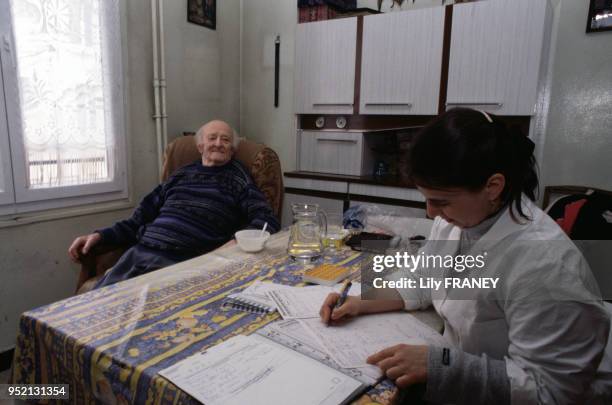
109, 344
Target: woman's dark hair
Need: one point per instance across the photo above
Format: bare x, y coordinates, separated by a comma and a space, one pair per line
462, 148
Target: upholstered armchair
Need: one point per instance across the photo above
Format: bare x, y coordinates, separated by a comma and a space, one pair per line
261, 161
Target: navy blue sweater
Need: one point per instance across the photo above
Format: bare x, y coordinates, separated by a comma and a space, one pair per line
195, 211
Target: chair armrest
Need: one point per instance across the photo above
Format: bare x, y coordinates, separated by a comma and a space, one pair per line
267, 174
99, 259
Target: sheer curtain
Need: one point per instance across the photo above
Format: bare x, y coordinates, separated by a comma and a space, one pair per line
64, 104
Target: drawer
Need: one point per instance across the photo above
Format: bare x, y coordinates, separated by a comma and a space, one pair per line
400, 193
334, 152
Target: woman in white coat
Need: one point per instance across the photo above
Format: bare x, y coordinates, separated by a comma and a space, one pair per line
540, 335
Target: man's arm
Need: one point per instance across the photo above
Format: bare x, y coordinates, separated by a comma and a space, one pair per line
126, 232
256, 209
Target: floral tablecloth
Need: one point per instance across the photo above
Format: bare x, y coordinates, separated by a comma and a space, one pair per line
109, 344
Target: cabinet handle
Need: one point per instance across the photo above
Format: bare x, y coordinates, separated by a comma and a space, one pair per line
336, 140
408, 105
332, 104
494, 104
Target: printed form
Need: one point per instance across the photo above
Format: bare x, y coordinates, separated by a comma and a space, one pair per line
254, 370
290, 333
351, 343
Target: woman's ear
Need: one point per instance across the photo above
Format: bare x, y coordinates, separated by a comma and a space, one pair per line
495, 186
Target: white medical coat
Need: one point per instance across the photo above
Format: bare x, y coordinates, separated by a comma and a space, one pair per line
552, 344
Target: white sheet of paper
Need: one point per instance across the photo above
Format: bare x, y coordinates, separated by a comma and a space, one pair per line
253, 370
293, 329
305, 302
350, 344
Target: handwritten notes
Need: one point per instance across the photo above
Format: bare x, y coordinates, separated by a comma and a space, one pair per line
354, 341
255, 370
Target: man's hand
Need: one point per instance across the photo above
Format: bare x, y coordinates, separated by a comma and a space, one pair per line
227, 244
404, 364
328, 312
82, 245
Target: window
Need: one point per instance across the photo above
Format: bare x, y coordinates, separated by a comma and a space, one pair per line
61, 104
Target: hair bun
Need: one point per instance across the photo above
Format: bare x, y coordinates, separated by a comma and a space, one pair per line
526, 145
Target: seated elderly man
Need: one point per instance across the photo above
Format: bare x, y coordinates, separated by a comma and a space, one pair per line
196, 210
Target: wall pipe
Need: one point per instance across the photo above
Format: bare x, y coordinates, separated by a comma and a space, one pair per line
162, 73
156, 86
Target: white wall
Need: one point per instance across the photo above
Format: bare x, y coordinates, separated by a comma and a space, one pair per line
203, 83
578, 140
259, 120
202, 67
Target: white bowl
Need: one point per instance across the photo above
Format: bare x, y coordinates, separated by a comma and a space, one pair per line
251, 240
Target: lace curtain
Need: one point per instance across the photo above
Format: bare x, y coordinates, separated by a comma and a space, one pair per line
60, 61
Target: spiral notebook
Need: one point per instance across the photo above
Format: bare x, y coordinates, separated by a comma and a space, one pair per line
254, 298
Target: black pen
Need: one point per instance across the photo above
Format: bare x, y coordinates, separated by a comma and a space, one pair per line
343, 295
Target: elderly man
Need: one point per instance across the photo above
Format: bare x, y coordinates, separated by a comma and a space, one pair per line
196, 210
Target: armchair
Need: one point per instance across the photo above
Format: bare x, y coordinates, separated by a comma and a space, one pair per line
261, 161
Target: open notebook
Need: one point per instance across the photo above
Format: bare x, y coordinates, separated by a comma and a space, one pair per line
256, 370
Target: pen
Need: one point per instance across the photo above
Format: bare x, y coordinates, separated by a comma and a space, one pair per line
343, 294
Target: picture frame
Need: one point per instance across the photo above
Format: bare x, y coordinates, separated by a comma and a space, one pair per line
202, 12
600, 16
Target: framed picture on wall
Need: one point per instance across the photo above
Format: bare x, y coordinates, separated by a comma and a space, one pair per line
202, 12
600, 16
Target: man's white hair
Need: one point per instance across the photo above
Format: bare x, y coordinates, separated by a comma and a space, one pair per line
235, 136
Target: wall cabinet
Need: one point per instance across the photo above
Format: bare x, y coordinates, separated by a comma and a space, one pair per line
325, 67
497, 53
402, 62
335, 152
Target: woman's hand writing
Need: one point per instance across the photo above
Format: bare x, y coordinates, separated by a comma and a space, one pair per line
329, 312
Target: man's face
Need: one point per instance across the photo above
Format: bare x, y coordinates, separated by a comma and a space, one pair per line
215, 145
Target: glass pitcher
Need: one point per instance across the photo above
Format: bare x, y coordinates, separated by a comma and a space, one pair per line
305, 239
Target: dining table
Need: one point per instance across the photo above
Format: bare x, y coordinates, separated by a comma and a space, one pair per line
109, 344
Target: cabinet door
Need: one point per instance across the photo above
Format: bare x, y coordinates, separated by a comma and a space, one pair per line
325, 67
497, 49
401, 62
332, 152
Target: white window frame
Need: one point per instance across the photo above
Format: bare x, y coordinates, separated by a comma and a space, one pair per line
6, 178
16, 197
